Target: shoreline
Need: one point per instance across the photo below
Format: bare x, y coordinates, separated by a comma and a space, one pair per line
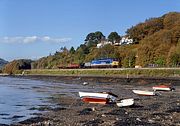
147, 110
155, 110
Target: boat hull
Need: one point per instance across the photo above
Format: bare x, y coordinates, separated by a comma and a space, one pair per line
162, 88
144, 93
90, 94
100, 98
125, 103
95, 100
104, 95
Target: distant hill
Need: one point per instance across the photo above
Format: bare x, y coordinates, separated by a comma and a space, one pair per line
2, 62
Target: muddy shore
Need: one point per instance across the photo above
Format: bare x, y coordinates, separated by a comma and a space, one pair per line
161, 110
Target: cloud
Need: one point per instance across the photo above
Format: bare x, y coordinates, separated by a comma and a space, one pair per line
32, 39
57, 40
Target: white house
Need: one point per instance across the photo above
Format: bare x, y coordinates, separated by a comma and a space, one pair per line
103, 43
123, 41
126, 40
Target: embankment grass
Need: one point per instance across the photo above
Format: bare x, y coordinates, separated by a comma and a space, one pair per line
146, 72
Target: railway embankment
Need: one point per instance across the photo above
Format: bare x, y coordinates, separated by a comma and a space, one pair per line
123, 72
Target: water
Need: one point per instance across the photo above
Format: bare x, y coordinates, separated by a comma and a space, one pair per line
18, 96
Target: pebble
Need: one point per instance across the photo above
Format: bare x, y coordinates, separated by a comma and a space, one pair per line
85, 83
93, 109
47, 123
151, 121
117, 119
103, 115
138, 119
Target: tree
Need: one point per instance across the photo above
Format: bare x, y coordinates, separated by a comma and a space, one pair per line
114, 37
160, 61
92, 39
72, 50
16, 66
129, 59
107, 51
99, 36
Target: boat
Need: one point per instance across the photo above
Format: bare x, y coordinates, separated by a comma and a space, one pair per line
162, 88
125, 102
144, 92
100, 97
95, 100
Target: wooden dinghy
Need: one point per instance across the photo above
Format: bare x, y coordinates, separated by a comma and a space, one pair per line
144, 92
125, 102
102, 98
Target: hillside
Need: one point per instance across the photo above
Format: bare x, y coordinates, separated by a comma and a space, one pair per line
159, 40
156, 43
2, 62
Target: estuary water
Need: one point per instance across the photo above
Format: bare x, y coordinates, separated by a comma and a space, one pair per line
18, 97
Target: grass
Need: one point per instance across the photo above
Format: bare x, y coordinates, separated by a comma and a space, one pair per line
162, 72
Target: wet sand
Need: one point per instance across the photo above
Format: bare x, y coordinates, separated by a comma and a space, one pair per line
161, 110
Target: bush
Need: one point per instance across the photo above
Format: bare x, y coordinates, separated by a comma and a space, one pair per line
17, 66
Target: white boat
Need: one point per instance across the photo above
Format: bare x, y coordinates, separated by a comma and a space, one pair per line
162, 88
125, 102
144, 92
99, 95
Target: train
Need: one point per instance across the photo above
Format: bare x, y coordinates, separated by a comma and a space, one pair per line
97, 63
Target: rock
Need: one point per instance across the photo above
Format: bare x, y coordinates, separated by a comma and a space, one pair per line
151, 121
138, 119
117, 119
103, 115
85, 83
93, 109
47, 123
86, 111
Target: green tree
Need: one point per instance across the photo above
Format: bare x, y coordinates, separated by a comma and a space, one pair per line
99, 36
16, 66
114, 37
72, 50
129, 60
160, 62
92, 39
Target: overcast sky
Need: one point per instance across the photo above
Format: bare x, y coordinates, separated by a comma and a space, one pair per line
36, 28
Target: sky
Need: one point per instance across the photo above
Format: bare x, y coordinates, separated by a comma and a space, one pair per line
32, 29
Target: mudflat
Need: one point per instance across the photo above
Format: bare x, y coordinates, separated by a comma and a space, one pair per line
160, 110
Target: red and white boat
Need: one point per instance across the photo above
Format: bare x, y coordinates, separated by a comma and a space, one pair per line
162, 88
101, 98
145, 93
